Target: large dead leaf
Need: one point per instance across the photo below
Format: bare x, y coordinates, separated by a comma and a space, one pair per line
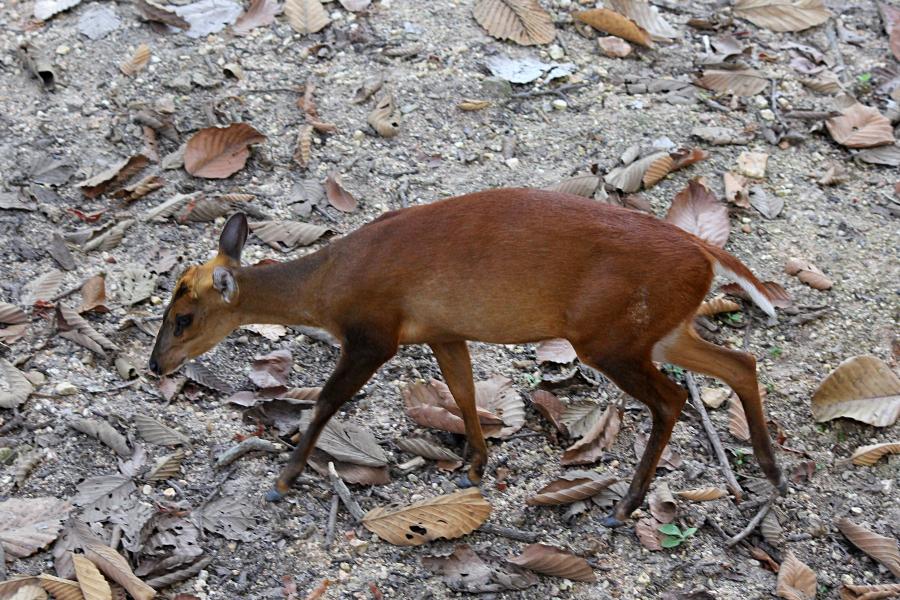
498, 396
29, 524
465, 571
114, 176
116, 568
870, 592
449, 516
744, 82
662, 503
647, 531
286, 235
645, 16
862, 388
808, 273
306, 16
272, 370
599, 438
702, 494
76, 328
881, 548
348, 442
93, 584
629, 178
10, 314
558, 351
104, 432
385, 117
550, 407
14, 386
771, 528
782, 15
796, 581
580, 185
613, 23
860, 126
522, 21
61, 589
431, 405
349, 472
337, 196
697, 210
43, 288
259, 14
550, 560
571, 487
891, 17
426, 448
219, 152
100, 496
232, 518
154, 432
869, 455
93, 295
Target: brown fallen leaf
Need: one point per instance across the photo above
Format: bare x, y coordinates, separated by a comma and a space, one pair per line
349, 472
869, 455
220, 152
717, 305
306, 16
93, 295
571, 487
116, 568
835, 174
736, 189
796, 581
465, 571
696, 210
771, 529
557, 351
286, 235
597, 440
550, 407
522, 21
645, 16
114, 176
303, 151
782, 15
614, 47
579, 185
891, 17
259, 14
552, 561
870, 592
427, 448
27, 525
93, 585
469, 104
662, 503
449, 516
138, 60
337, 196
881, 548
59, 588
670, 459
863, 388
629, 177
385, 117
647, 530
140, 188
685, 157
808, 273
860, 126
272, 370
744, 82
613, 23
431, 405
702, 494
657, 170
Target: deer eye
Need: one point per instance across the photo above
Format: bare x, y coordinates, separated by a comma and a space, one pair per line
182, 322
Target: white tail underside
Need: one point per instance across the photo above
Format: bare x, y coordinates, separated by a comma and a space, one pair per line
758, 298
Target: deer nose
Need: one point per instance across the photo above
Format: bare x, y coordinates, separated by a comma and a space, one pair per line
154, 366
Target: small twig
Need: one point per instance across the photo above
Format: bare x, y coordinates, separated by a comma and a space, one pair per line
113, 388
524, 434
332, 519
251, 444
560, 91
344, 492
3, 573
164, 581
65, 294
773, 101
730, 480
812, 115
713, 104
754, 522
13, 423
510, 532
831, 34
746, 343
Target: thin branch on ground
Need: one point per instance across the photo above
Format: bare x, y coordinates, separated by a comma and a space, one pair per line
332, 520
754, 522
510, 532
344, 492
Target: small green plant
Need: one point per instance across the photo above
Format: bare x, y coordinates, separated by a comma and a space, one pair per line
735, 318
776, 351
532, 380
675, 536
864, 78
740, 457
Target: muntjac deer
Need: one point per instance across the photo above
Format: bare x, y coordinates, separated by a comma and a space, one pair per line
506, 266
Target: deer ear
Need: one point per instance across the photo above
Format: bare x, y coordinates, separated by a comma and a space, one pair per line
224, 283
233, 237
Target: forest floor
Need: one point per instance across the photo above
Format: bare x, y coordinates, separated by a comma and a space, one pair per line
432, 56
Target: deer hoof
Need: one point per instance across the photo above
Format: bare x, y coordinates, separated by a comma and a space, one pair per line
274, 496
611, 522
464, 482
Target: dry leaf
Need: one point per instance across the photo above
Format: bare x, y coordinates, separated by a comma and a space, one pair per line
557, 351
356, 5
99, 497
93, 585
138, 60
825, 82
662, 503
303, 151
337, 196
596, 440
348, 442
286, 235
870, 592
259, 14
306, 16
16, 325
702, 494
580, 185
76, 328
219, 152
27, 525
744, 82
550, 560
685, 157
614, 47
657, 170
769, 205
714, 397
647, 530
782, 15
104, 432
737, 420
349, 472
431, 405
647, 17
271, 370
385, 117
59, 588
891, 17
449, 516
140, 188
550, 407
167, 467
717, 305
615, 24
628, 178
881, 548
426, 448
113, 176
232, 518
862, 388
10, 314
571, 487
465, 571
154, 432
771, 529
116, 568
670, 459
470, 105
808, 273
696, 210
522, 21
42, 289
860, 126
14, 387
869, 455
93, 295
796, 581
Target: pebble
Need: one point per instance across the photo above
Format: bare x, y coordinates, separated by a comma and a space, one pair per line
559, 104
64, 388
345, 567
767, 114
556, 52
856, 510
495, 87
147, 490
512, 163
169, 492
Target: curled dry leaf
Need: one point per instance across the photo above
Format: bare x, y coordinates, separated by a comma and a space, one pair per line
113, 176
116, 568
870, 592
93, 295
571, 487
808, 273
550, 407
647, 530
337, 196
470, 105
449, 516
522, 21
104, 432
93, 585
385, 117
138, 60
628, 178
272, 370
662, 503
736, 190
670, 459
869, 455
702, 494
696, 210
285, 235
427, 448
580, 185
596, 440
14, 386
614, 47
167, 467
306, 16
27, 525
881, 548
154, 432
860, 126
303, 152
796, 581
782, 15
737, 420
744, 82
259, 14
646, 17
558, 351
685, 157
431, 405
717, 305
219, 152
657, 170
552, 561
771, 529
613, 23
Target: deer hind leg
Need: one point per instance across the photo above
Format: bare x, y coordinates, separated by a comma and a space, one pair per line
665, 399
738, 369
456, 366
359, 360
